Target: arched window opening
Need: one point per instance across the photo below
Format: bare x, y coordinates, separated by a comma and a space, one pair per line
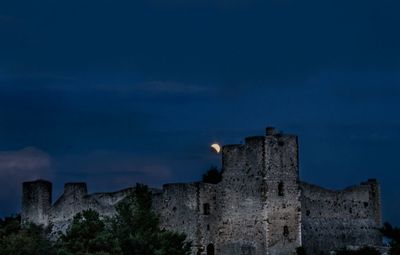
247, 250
285, 231
210, 249
280, 189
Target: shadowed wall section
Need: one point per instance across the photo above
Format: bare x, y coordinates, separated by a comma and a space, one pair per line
334, 219
36, 202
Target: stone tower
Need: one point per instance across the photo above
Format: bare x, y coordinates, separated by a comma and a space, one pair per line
36, 202
259, 197
282, 193
242, 219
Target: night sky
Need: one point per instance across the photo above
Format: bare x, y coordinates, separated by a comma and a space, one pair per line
118, 92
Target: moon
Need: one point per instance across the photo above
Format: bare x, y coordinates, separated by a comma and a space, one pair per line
216, 147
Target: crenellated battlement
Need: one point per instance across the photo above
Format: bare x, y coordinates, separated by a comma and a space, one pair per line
75, 189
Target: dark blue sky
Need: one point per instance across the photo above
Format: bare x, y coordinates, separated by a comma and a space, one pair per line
118, 92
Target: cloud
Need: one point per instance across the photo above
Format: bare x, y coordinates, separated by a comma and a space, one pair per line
153, 174
153, 87
6, 18
359, 86
112, 170
133, 167
26, 161
16, 167
172, 87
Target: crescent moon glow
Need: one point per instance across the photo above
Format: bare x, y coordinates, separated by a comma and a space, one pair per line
216, 147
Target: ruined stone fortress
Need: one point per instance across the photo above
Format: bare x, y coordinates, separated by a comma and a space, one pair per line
260, 207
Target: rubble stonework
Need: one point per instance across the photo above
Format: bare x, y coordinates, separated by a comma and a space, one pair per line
260, 206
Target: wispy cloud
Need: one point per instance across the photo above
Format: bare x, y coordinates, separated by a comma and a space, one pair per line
60, 83
28, 161
17, 166
105, 170
152, 87
172, 87
6, 18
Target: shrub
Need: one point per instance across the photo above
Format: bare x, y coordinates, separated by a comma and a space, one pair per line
362, 251
213, 175
29, 240
301, 251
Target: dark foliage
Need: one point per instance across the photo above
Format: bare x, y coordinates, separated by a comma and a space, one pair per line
30, 240
301, 251
137, 230
87, 235
213, 175
393, 233
134, 230
362, 251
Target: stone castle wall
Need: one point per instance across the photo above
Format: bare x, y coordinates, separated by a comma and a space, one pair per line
190, 208
259, 207
334, 219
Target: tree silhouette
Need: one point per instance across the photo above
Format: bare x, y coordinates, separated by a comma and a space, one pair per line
87, 235
213, 175
393, 233
137, 228
29, 240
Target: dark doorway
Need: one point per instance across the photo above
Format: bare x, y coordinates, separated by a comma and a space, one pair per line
210, 249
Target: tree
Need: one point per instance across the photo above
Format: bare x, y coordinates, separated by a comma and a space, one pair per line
29, 240
393, 233
300, 251
87, 235
213, 176
136, 227
362, 251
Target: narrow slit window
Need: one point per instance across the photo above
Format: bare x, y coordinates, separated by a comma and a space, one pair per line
280, 189
206, 209
285, 231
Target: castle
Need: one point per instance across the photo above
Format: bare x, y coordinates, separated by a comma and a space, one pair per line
260, 207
